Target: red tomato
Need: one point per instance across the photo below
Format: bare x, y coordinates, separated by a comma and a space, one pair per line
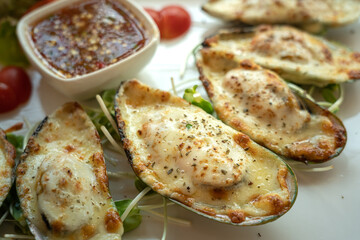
155, 15
38, 4
175, 21
18, 80
8, 100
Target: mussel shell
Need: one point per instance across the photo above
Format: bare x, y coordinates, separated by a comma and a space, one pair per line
134, 152
322, 13
309, 148
61, 180
295, 55
315, 109
293, 187
8, 154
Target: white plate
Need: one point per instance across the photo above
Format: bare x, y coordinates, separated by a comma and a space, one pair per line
328, 203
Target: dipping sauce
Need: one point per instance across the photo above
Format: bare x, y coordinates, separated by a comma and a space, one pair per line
87, 36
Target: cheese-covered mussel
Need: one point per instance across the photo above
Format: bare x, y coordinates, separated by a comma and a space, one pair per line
7, 163
195, 160
62, 183
257, 102
308, 13
296, 55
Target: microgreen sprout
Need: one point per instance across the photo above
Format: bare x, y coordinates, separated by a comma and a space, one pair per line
316, 169
106, 114
306, 167
3, 217
184, 65
133, 219
154, 206
120, 174
328, 93
17, 236
194, 97
172, 219
173, 86
105, 109
116, 146
165, 219
134, 202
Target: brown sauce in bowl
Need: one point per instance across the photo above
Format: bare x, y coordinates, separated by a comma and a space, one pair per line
87, 36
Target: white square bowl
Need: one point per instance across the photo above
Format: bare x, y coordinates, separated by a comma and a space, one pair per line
88, 85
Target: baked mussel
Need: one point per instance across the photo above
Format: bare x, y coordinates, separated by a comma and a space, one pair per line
7, 164
198, 162
62, 183
295, 55
311, 15
259, 103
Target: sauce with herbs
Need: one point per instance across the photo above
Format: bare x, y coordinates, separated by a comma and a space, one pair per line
87, 36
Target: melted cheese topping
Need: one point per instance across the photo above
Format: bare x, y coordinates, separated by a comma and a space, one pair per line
7, 155
198, 141
187, 155
296, 55
265, 105
259, 103
62, 182
65, 191
328, 12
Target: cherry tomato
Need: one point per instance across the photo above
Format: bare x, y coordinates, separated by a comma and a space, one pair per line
8, 99
175, 21
18, 80
38, 4
155, 15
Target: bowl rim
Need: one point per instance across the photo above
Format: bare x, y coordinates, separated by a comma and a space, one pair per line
26, 43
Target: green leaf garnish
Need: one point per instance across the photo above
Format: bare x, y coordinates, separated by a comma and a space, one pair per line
15, 9
188, 126
11, 52
328, 92
17, 141
194, 97
108, 97
12, 202
134, 218
140, 185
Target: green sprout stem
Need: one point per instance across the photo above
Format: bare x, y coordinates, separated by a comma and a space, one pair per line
183, 67
165, 219
121, 174
116, 146
16, 236
106, 111
172, 219
316, 169
335, 107
134, 202
173, 86
153, 206
3, 217
332, 107
300, 91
